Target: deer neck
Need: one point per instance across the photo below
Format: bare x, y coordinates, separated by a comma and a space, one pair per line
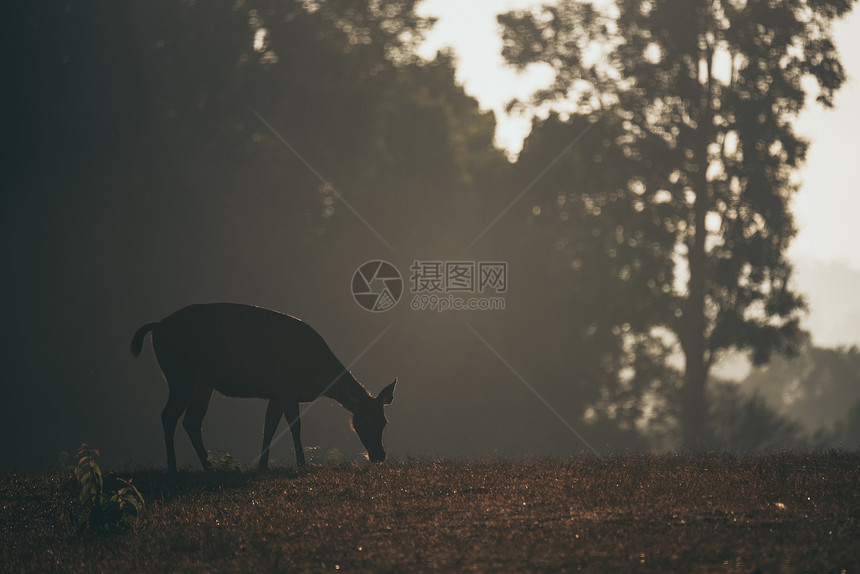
349, 392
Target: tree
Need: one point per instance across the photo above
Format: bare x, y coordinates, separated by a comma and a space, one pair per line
603, 266
745, 422
707, 91
816, 388
139, 170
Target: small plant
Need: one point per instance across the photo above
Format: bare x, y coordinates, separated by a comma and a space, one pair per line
221, 460
334, 456
102, 510
314, 454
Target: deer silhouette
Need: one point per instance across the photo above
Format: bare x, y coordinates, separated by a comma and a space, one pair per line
251, 352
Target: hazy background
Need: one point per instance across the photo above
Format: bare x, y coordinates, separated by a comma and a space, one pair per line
141, 181
827, 248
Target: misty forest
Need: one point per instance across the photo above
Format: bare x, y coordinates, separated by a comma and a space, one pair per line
168, 153
143, 178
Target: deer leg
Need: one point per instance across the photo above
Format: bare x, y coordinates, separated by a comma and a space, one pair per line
198, 404
174, 408
291, 411
274, 412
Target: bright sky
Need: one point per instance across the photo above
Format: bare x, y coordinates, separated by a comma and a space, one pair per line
828, 205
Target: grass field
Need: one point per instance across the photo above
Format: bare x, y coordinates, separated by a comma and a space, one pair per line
709, 513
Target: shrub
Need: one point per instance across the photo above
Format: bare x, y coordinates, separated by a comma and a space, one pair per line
100, 510
223, 461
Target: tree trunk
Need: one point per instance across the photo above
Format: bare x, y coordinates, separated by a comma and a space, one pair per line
694, 416
695, 412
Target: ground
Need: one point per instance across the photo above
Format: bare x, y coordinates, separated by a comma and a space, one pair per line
711, 513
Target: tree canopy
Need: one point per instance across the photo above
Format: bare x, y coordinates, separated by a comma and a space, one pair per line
706, 94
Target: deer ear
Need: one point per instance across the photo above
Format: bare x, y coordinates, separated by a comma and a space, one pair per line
386, 395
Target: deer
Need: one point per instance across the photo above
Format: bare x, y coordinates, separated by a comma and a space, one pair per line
245, 351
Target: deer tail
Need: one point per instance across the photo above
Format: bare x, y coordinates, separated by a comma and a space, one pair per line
137, 340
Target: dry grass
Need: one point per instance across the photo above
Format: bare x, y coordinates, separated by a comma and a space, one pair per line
644, 513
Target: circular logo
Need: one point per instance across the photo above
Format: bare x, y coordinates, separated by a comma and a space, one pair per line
377, 286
